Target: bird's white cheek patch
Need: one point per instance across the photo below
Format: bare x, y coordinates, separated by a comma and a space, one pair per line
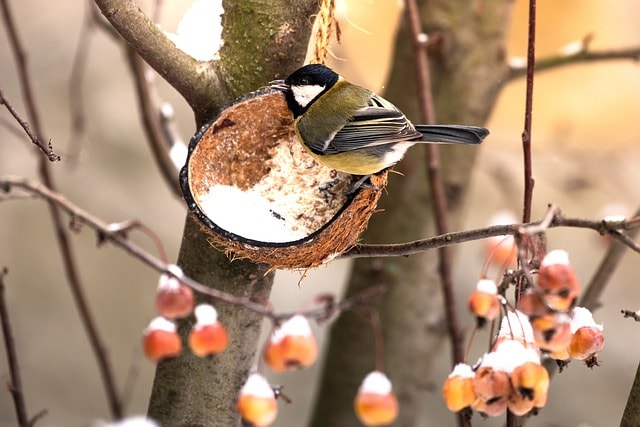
305, 94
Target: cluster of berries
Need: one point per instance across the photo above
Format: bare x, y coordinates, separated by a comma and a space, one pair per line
291, 346
560, 328
175, 300
545, 323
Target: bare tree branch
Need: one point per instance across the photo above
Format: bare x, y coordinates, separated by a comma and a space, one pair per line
603, 227
113, 233
436, 186
591, 297
158, 138
196, 81
15, 384
576, 56
116, 233
270, 50
62, 234
76, 78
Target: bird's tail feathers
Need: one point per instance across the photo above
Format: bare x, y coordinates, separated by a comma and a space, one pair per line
452, 134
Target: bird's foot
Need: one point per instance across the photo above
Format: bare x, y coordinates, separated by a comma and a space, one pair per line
362, 182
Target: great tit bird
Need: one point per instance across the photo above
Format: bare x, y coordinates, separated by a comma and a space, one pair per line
349, 128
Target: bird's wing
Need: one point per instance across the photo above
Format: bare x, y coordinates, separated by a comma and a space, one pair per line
379, 123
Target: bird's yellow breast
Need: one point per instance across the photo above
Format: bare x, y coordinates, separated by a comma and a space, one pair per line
357, 162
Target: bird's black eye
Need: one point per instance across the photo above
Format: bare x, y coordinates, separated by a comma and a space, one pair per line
305, 81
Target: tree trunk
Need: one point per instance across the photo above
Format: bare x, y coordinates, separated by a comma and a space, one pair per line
631, 415
264, 39
194, 391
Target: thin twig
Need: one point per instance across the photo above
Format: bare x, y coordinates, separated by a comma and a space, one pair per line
15, 384
46, 148
77, 289
625, 239
93, 20
130, 379
582, 55
591, 297
423, 76
531, 240
62, 234
148, 99
364, 250
436, 182
545, 223
374, 318
11, 127
126, 226
512, 420
526, 134
149, 106
21, 64
110, 233
436, 186
524, 280
76, 80
635, 315
161, 133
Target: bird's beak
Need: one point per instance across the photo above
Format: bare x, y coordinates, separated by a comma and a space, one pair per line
279, 85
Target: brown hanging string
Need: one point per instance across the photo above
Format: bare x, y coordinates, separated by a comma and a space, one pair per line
326, 23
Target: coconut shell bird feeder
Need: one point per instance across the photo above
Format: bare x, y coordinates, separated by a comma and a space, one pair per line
257, 193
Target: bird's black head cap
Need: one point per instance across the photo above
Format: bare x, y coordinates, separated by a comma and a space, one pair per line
309, 75
313, 74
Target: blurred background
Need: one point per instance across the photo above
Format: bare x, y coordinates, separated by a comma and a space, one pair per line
586, 154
